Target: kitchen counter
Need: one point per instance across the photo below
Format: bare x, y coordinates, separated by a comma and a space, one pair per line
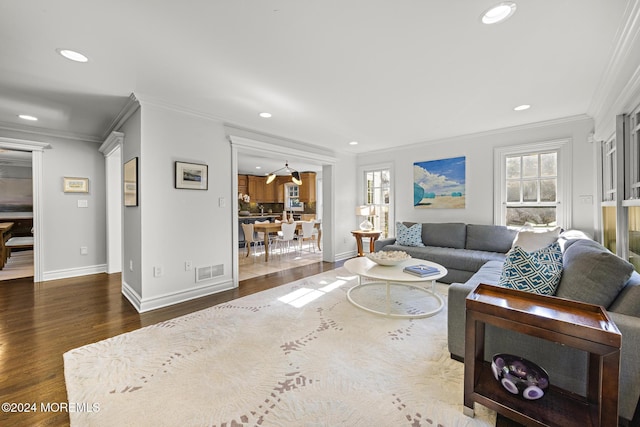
256, 216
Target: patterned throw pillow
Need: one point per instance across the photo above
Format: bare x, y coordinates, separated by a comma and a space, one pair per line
409, 236
538, 271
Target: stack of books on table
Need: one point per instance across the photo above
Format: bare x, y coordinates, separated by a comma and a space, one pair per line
421, 270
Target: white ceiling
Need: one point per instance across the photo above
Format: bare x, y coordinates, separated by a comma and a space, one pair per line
384, 73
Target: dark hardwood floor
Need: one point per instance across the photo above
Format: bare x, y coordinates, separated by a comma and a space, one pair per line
41, 321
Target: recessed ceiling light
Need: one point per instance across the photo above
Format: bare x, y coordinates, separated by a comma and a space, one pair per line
265, 115
522, 107
353, 143
258, 167
498, 13
72, 55
28, 117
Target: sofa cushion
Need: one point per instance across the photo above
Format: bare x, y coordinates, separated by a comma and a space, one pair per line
489, 274
538, 271
592, 274
531, 240
628, 300
491, 238
452, 259
444, 235
409, 236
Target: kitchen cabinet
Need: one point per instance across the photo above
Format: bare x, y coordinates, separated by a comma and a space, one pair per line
308, 187
243, 187
261, 192
256, 186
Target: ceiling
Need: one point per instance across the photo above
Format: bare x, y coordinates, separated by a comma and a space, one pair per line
383, 73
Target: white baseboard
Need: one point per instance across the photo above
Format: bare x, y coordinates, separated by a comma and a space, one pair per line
142, 305
74, 272
345, 255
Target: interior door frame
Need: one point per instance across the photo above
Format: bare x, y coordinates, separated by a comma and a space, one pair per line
241, 144
37, 160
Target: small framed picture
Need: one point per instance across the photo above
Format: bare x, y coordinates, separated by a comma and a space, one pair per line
130, 182
192, 176
75, 185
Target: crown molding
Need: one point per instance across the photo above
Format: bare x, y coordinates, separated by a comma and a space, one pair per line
22, 144
130, 107
147, 100
607, 102
113, 141
49, 133
501, 131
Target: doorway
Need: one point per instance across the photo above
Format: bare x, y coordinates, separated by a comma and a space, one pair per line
36, 149
241, 145
16, 212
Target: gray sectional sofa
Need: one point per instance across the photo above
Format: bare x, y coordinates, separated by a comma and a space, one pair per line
591, 274
462, 248
475, 254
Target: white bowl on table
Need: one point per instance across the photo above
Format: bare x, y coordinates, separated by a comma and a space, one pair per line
388, 258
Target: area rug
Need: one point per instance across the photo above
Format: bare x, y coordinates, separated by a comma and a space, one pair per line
296, 355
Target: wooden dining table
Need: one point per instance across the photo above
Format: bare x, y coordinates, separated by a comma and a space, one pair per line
274, 227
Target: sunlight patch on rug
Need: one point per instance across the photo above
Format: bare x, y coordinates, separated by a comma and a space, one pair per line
296, 355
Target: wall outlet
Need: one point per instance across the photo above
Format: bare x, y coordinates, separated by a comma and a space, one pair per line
130, 265
188, 265
158, 271
84, 250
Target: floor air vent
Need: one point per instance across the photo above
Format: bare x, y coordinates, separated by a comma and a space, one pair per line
209, 272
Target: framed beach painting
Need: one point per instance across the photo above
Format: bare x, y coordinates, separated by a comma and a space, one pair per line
439, 184
192, 176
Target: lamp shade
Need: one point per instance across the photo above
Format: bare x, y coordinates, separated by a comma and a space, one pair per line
365, 210
295, 177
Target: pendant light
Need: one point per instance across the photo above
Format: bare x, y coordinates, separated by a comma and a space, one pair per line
295, 175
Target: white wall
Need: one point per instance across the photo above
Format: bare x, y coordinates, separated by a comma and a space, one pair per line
131, 217
177, 225
65, 226
478, 150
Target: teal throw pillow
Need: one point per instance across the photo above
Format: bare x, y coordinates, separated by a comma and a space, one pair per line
409, 236
538, 271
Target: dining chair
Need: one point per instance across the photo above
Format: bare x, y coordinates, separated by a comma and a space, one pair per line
308, 235
260, 234
277, 221
249, 237
288, 236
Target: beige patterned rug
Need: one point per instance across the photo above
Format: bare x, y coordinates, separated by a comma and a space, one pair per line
296, 355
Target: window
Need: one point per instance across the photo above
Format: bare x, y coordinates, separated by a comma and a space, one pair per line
292, 198
609, 170
530, 186
633, 159
377, 189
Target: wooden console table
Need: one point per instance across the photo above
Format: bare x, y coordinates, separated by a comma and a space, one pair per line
583, 326
372, 235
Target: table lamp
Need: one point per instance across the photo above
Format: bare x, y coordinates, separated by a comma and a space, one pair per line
366, 211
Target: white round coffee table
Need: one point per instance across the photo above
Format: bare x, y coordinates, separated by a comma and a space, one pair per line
391, 277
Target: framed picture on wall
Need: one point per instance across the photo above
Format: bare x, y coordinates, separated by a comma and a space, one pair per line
75, 185
440, 183
130, 182
192, 176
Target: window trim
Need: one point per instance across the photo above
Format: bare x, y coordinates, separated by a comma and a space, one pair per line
563, 196
362, 185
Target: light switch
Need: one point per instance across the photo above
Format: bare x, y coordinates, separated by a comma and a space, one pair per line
222, 202
83, 203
